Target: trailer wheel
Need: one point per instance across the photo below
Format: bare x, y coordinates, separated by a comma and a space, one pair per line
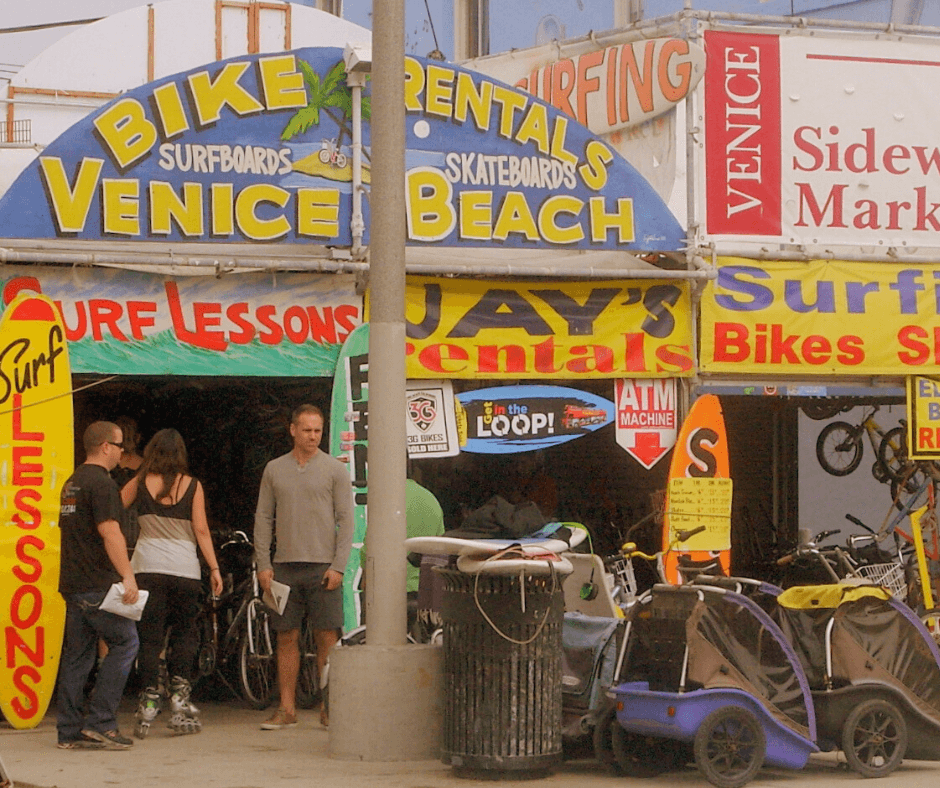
874, 738
729, 747
602, 738
644, 756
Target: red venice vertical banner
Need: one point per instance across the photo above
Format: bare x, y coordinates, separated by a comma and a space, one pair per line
742, 133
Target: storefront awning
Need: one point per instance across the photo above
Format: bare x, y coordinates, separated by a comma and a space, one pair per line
178, 259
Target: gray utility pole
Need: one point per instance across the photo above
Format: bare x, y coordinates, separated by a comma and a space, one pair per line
386, 697
385, 568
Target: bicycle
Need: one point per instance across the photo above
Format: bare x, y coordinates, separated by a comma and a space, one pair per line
823, 409
235, 632
861, 562
840, 446
626, 587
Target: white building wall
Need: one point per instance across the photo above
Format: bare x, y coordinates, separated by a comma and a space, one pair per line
111, 56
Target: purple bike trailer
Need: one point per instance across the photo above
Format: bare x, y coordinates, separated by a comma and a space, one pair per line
707, 666
672, 715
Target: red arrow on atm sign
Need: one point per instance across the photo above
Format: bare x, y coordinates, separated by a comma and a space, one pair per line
646, 418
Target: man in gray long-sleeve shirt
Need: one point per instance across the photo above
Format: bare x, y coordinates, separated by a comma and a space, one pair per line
306, 499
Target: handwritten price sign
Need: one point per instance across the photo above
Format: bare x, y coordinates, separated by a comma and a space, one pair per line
694, 502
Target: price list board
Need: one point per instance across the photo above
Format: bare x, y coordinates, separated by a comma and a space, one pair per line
694, 502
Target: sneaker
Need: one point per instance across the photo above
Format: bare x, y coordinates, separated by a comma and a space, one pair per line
112, 740
280, 719
82, 743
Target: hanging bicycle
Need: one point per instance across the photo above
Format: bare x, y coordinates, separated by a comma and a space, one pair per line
840, 446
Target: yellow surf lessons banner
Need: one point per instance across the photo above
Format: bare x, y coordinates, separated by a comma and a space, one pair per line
36, 451
510, 330
821, 318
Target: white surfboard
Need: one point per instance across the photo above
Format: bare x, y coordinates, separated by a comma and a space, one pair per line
490, 565
561, 537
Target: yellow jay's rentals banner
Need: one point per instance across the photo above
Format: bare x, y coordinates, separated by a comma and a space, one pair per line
574, 330
821, 318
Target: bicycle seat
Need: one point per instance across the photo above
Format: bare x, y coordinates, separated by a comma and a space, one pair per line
690, 568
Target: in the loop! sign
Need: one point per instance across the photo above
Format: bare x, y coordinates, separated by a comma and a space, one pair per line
509, 419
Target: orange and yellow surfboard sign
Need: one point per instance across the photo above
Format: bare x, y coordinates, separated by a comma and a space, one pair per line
699, 490
36, 457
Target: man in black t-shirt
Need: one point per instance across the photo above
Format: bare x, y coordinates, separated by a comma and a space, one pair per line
94, 556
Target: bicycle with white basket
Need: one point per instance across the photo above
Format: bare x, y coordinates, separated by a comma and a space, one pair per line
626, 588
863, 561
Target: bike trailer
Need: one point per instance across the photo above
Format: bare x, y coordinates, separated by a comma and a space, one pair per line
874, 671
589, 653
709, 673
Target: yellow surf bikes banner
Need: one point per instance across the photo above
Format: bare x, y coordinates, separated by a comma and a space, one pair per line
821, 317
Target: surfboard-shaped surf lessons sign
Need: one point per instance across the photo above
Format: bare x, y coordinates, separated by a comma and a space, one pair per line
699, 491
36, 453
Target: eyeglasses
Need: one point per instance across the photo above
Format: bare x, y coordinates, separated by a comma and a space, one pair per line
119, 445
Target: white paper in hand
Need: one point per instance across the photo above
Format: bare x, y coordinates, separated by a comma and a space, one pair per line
114, 603
276, 596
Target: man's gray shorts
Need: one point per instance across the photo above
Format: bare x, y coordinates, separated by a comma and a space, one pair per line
323, 609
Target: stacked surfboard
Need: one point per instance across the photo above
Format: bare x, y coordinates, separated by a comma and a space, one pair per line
536, 554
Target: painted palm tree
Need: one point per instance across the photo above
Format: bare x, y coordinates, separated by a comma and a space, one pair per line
330, 95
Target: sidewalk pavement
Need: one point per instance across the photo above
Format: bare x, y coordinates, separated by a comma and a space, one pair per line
232, 752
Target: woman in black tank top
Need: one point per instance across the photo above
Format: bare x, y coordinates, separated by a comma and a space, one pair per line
171, 513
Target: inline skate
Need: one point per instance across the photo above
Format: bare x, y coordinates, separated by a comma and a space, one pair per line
148, 707
184, 715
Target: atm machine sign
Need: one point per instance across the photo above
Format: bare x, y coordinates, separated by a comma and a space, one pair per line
646, 418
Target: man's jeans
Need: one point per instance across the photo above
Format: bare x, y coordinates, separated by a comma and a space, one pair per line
84, 624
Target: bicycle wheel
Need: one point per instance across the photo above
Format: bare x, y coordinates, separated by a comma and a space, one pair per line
257, 664
820, 410
839, 448
911, 492
931, 620
892, 453
308, 679
874, 738
730, 747
207, 651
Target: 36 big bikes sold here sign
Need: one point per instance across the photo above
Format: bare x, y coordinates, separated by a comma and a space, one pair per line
821, 140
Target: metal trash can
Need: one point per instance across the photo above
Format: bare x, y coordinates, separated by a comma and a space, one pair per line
502, 689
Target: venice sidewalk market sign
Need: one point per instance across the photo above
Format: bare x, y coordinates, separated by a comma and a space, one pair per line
257, 149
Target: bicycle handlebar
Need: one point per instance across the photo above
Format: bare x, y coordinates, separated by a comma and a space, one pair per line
804, 550
822, 535
628, 549
853, 519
